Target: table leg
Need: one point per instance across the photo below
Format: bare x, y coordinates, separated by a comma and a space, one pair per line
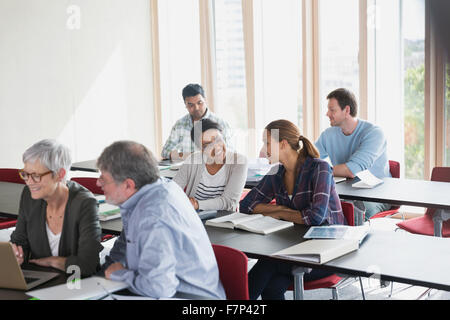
298, 273
439, 217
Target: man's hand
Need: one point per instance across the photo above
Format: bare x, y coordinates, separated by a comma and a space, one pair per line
113, 268
194, 203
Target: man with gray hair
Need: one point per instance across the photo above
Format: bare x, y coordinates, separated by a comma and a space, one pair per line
163, 248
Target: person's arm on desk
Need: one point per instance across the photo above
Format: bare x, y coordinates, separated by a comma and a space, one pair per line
54, 262
341, 170
279, 212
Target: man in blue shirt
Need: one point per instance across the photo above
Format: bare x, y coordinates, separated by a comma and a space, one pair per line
163, 248
352, 144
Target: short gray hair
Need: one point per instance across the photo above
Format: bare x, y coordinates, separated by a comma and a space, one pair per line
50, 153
129, 160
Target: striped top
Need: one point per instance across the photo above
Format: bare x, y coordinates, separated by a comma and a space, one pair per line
211, 186
314, 195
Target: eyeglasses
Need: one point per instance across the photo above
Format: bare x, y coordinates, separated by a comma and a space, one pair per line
34, 176
102, 182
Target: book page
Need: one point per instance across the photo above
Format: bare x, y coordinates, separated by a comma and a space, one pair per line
264, 225
235, 218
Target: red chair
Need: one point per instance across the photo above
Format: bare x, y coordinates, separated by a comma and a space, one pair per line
9, 175
424, 225
233, 274
334, 281
394, 168
89, 183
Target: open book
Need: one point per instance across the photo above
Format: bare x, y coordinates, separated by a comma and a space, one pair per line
108, 211
367, 180
338, 232
256, 223
318, 250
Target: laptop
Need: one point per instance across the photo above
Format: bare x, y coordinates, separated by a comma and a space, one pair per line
13, 277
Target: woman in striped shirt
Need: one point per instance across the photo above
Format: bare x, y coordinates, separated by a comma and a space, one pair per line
214, 178
305, 193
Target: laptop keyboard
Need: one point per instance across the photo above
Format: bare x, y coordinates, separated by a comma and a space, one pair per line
29, 280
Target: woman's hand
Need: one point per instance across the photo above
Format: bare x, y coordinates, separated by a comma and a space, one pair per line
18, 251
54, 262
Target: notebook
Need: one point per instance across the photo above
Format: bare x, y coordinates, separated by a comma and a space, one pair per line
318, 251
256, 223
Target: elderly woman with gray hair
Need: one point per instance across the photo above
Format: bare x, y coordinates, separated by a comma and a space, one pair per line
57, 225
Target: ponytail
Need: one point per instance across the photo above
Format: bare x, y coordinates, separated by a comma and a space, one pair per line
309, 149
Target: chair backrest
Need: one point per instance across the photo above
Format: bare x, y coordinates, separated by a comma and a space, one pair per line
10, 175
348, 211
89, 183
441, 174
232, 265
394, 168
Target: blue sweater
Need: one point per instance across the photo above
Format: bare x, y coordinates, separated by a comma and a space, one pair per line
364, 149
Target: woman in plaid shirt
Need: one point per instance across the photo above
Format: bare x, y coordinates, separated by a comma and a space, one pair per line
305, 193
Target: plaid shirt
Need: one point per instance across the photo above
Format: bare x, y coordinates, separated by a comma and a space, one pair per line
180, 136
314, 194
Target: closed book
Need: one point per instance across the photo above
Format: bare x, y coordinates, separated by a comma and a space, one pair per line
256, 223
319, 251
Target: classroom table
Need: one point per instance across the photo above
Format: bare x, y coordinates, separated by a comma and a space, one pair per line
400, 257
410, 192
388, 255
90, 166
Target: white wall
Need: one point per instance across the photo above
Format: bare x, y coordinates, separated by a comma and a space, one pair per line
82, 77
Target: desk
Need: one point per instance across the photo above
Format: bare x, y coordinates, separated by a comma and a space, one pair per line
90, 166
400, 257
392, 256
419, 193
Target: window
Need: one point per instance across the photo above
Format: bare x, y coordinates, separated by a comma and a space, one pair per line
231, 102
447, 116
339, 48
278, 62
413, 37
179, 41
399, 57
